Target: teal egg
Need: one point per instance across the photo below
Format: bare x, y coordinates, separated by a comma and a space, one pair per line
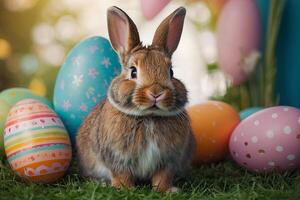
83, 80
249, 111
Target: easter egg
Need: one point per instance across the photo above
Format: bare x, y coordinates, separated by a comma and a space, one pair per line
13, 95
83, 80
151, 8
36, 142
212, 124
249, 111
4, 109
268, 140
238, 39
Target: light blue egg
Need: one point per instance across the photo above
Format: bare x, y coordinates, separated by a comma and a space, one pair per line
249, 111
83, 80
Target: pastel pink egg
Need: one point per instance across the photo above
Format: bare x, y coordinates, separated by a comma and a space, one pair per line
151, 8
238, 38
268, 140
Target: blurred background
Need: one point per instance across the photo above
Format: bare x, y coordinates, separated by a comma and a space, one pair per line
35, 37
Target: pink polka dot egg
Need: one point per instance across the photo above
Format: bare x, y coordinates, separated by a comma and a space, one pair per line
268, 140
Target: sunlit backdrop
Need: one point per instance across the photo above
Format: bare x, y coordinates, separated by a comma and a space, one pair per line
35, 37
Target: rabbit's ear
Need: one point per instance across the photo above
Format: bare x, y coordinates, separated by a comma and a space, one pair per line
122, 31
169, 31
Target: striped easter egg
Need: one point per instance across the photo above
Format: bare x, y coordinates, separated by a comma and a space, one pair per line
36, 142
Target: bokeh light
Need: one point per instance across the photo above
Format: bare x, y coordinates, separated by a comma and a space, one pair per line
66, 29
38, 87
5, 49
52, 54
43, 33
59, 24
29, 64
19, 5
199, 12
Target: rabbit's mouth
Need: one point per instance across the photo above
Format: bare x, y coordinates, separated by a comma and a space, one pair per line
154, 107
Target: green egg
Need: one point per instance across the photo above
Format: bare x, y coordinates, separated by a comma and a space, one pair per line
13, 95
4, 109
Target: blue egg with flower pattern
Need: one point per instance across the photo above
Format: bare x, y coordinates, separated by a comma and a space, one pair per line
83, 80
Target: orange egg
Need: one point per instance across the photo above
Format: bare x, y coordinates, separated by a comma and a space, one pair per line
212, 123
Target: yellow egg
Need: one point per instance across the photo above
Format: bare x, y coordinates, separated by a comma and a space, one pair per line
212, 123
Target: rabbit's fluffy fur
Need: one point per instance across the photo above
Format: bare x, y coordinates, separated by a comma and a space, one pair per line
141, 131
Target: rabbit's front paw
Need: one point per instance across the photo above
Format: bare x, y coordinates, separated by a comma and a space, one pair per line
122, 180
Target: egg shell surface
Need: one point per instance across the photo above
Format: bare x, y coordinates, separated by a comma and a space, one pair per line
4, 109
212, 124
36, 142
268, 140
83, 80
249, 111
238, 37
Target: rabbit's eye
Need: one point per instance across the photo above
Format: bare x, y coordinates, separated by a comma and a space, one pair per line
133, 72
171, 73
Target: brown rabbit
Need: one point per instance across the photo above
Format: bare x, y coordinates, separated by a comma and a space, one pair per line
141, 131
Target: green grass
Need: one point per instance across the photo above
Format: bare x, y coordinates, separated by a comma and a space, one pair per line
218, 181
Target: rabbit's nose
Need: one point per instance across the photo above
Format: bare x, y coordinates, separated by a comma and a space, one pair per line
155, 96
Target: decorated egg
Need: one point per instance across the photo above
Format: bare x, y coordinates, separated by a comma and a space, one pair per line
13, 95
36, 142
83, 80
249, 111
268, 140
238, 39
151, 8
4, 109
212, 123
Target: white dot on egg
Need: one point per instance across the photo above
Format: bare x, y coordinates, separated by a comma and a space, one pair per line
274, 115
279, 148
242, 134
291, 157
270, 133
271, 163
254, 139
235, 139
299, 120
287, 130
256, 122
286, 109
